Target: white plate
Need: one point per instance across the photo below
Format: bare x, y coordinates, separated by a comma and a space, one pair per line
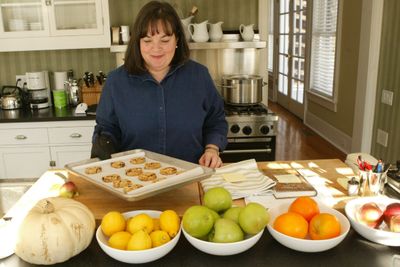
382, 235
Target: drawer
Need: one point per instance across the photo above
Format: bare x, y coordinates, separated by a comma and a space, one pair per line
70, 135
24, 136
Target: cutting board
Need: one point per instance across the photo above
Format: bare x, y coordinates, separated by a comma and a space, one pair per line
100, 201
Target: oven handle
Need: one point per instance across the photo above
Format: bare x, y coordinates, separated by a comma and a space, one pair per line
231, 151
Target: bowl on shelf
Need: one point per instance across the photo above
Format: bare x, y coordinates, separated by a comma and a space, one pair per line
381, 235
307, 244
137, 256
223, 249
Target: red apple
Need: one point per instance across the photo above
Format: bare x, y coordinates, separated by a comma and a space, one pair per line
68, 189
395, 223
370, 214
390, 211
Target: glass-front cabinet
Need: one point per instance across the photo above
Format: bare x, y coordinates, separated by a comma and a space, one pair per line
53, 24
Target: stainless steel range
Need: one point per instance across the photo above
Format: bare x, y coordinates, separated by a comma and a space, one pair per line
251, 133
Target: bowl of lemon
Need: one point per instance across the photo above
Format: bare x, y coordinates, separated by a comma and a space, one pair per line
138, 236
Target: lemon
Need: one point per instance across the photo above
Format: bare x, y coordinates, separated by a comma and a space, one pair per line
156, 224
139, 241
141, 221
119, 240
112, 222
159, 238
170, 222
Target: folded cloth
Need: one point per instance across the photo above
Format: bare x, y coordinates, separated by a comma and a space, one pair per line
253, 183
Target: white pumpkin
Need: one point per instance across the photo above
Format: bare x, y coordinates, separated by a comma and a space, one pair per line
54, 230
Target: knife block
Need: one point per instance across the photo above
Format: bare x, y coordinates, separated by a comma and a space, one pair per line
91, 95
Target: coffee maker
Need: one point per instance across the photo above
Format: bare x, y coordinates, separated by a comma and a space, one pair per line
38, 90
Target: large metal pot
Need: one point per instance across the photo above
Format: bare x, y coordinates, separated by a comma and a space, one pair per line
242, 89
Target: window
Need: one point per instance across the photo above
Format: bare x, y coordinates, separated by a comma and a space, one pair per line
324, 37
271, 37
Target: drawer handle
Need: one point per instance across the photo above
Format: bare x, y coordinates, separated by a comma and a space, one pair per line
21, 137
75, 135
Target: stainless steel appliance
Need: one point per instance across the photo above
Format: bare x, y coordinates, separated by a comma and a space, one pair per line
242, 89
251, 133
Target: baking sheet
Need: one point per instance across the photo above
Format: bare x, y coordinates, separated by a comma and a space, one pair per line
187, 172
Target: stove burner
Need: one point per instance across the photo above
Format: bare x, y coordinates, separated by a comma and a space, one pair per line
257, 109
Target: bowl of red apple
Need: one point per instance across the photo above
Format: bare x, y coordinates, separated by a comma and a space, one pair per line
376, 219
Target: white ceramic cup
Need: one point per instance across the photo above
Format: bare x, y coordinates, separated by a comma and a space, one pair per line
125, 33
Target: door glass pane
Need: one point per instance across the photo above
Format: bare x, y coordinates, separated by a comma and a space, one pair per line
283, 44
284, 23
75, 14
22, 15
284, 6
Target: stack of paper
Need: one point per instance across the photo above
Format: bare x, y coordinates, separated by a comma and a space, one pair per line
241, 179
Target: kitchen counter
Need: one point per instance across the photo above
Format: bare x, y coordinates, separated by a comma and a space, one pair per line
353, 251
40, 115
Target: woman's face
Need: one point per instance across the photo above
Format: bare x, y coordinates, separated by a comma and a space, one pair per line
158, 50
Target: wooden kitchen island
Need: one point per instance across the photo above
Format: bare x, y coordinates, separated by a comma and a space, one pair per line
353, 251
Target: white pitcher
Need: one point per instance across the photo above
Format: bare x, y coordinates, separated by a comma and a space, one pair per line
198, 31
185, 24
215, 31
247, 32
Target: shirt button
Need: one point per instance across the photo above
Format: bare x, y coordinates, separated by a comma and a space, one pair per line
161, 108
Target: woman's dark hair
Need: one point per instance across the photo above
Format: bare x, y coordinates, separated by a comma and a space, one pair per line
149, 16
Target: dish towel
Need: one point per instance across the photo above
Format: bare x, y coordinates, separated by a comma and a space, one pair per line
252, 181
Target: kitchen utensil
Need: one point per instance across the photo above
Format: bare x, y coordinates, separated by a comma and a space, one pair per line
185, 24
215, 31
198, 31
242, 89
247, 32
11, 99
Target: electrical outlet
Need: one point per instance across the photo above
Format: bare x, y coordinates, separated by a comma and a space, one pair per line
22, 80
382, 137
387, 97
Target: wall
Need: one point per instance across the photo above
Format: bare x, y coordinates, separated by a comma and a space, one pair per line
387, 117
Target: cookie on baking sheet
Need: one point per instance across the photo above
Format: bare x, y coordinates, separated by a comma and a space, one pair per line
133, 171
152, 165
122, 183
138, 160
131, 187
168, 171
118, 164
93, 170
111, 178
147, 176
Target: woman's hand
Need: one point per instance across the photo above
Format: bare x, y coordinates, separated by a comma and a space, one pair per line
210, 158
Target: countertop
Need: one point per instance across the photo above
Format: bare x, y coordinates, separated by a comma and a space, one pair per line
353, 251
40, 115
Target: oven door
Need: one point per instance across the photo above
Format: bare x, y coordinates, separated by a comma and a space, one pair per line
260, 149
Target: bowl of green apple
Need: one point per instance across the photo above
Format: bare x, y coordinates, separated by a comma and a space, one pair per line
218, 228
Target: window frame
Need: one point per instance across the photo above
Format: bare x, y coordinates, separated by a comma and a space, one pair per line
330, 102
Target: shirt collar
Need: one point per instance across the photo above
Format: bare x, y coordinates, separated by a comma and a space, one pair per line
147, 76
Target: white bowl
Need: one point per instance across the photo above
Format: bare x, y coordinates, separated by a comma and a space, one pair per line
137, 256
307, 245
382, 235
223, 249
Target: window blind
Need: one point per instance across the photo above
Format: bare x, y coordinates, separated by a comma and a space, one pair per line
323, 46
271, 37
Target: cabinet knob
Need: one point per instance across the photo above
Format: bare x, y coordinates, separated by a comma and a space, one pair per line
75, 135
48, 2
21, 137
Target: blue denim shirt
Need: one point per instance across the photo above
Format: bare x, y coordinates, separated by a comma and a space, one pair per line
176, 117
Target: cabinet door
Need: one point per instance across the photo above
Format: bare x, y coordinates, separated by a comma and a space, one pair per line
23, 162
75, 17
23, 18
63, 155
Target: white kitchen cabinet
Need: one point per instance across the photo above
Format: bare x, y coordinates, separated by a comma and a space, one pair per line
27, 148
27, 25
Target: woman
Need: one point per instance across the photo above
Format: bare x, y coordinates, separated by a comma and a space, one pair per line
160, 100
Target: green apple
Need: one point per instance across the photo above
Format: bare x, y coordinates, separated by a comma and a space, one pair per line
226, 231
233, 214
214, 214
198, 221
253, 218
218, 199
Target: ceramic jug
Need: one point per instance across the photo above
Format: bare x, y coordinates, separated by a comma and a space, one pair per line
247, 32
185, 24
198, 31
215, 31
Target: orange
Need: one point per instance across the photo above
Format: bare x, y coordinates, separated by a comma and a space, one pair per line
291, 224
324, 226
305, 206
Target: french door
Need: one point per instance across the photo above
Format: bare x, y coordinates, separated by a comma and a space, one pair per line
291, 40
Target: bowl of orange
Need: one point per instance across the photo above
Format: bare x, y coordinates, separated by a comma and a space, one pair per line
307, 226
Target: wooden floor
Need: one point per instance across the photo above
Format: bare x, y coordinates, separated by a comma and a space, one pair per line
295, 141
